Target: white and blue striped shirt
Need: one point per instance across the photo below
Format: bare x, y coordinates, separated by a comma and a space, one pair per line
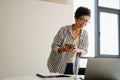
57, 61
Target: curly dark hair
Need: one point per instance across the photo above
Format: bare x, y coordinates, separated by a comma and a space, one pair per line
82, 11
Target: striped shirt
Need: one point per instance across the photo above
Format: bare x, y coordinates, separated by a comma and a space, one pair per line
57, 61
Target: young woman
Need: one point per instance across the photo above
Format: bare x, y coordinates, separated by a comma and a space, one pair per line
70, 43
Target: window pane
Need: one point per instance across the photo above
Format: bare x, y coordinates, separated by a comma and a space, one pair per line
108, 33
83, 62
110, 3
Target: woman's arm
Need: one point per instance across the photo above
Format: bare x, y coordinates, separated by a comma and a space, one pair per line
58, 40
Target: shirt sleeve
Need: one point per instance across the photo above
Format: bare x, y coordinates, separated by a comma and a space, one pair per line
58, 40
84, 44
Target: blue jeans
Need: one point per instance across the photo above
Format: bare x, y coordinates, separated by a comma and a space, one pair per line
69, 69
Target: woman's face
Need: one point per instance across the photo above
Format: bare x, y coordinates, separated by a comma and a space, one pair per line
82, 21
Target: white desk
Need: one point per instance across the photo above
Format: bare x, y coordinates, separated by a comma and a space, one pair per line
38, 78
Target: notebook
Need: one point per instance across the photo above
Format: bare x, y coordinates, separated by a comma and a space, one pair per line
103, 69
51, 75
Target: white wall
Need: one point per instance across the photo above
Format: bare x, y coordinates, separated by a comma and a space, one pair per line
27, 29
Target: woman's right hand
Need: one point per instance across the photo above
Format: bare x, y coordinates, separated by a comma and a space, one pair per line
69, 47
65, 48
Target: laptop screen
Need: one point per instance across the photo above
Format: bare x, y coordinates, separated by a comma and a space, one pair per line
103, 69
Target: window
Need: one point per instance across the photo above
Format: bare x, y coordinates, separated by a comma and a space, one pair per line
108, 33
107, 28
110, 3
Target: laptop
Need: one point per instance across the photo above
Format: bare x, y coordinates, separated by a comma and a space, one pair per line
102, 69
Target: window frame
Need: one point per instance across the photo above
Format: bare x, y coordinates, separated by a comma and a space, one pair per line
99, 9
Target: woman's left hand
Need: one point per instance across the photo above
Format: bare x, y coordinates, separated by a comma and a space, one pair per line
76, 49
